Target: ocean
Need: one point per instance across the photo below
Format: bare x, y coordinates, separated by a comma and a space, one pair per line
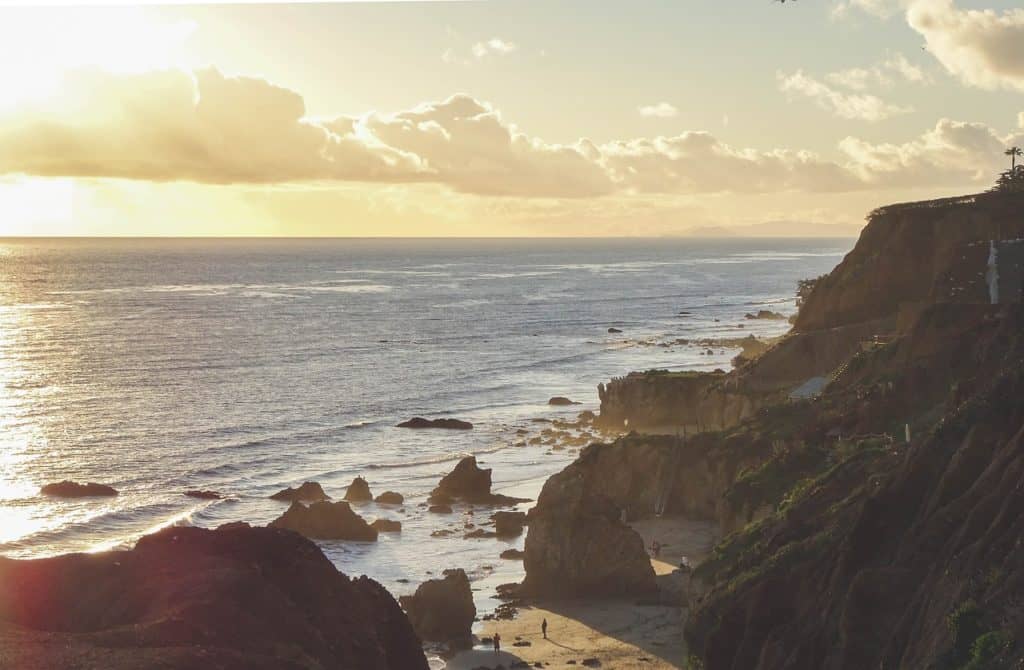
248, 365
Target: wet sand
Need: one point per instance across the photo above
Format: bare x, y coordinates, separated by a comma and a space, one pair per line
618, 633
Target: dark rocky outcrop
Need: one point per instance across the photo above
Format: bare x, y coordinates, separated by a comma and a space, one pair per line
578, 545
442, 610
764, 314
308, 492
440, 509
358, 491
512, 555
561, 401
326, 521
449, 424
387, 526
509, 524
390, 498
613, 330
204, 495
236, 598
69, 489
469, 483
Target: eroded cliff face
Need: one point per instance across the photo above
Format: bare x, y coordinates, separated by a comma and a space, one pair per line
920, 252
896, 558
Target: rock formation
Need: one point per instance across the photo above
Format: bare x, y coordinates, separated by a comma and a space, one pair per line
449, 424
326, 521
204, 495
387, 526
308, 492
69, 489
561, 401
236, 598
469, 483
358, 491
442, 610
578, 545
509, 524
390, 498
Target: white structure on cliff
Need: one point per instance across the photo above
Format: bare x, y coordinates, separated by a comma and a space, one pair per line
1005, 271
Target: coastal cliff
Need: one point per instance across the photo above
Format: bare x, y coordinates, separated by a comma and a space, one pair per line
877, 523
235, 598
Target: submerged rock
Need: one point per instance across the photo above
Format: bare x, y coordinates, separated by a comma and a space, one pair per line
358, 491
204, 495
235, 598
69, 489
442, 610
387, 526
390, 498
308, 492
561, 401
449, 424
326, 521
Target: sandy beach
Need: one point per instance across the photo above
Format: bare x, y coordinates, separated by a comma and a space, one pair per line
617, 633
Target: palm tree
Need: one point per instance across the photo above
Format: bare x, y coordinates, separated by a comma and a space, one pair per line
1013, 152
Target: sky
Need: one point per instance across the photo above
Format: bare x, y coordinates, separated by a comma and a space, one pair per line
506, 118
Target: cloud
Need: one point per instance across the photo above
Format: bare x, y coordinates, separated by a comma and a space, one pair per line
882, 9
885, 74
661, 110
493, 47
697, 162
953, 153
859, 106
983, 48
209, 128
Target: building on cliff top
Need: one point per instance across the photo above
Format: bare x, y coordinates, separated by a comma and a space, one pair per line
1005, 271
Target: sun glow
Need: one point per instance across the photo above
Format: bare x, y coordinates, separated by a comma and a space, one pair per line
38, 46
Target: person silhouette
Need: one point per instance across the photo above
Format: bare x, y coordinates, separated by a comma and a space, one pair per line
544, 628
497, 643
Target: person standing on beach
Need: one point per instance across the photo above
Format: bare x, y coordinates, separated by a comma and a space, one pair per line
497, 643
544, 628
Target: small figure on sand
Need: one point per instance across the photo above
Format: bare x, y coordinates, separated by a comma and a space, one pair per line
655, 548
544, 628
497, 643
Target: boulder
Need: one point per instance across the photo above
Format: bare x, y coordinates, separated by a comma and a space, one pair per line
204, 495
442, 610
470, 483
387, 526
358, 491
561, 401
449, 424
614, 330
235, 598
68, 489
390, 498
440, 509
509, 524
326, 521
512, 555
308, 492
577, 545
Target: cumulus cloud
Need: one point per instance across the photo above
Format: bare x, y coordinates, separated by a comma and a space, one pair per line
661, 110
952, 153
860, 106
207, 127
697, 162
983, 48
895, 68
